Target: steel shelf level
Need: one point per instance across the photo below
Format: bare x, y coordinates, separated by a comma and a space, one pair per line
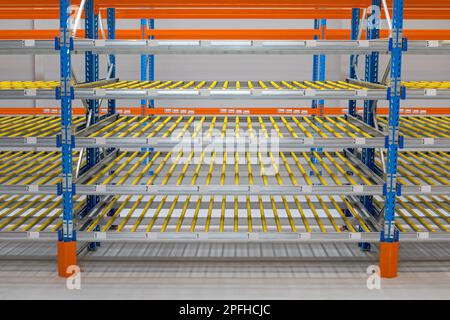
151, 47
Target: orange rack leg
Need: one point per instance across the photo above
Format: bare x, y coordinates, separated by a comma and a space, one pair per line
389, 259
67, 256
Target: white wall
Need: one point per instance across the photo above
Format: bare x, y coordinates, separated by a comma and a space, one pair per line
219, 67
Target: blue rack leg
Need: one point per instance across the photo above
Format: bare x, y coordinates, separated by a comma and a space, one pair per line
92, 74
144, 63
356, 13
67, 235
389, 240
111, 22
371, 75
151, 62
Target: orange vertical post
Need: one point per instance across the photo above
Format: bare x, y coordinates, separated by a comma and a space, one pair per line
389, 259
67, 256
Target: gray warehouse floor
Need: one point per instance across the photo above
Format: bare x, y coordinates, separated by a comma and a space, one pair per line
193, 271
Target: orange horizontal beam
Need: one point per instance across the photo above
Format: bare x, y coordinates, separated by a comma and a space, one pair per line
224, 111
238, 4
198, 13
222, 34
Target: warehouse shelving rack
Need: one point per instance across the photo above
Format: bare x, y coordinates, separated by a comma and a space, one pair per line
301, 148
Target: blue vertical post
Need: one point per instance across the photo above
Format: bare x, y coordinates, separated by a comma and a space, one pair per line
67, 235
371, 75
92, 74
389, 235
315, 76
322, 62
356, 13
111, 22
151, 62
143, 62
319, 62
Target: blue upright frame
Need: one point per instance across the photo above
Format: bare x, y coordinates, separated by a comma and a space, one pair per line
371, 75
319, 61
397, 44
65, 44
353, 63
144, 61
92, 74
111, 22
151, 62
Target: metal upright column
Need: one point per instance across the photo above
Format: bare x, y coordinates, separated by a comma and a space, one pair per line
322, 62
111, 22
143, 63
67, 234
151, 62
371, 75
315, 76
356, 13
390, 236
92, 74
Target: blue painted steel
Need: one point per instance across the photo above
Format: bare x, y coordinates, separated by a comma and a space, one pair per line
92, 74
390, 234
144, 61
315, 76
322, 62
151, 62
111, 22
371, 75
356, 13
68, 232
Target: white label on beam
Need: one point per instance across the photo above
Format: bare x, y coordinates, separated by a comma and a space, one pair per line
33, 235
311, 43
432, 43
100, 141
29, 43
358, 189
151, 236
423, 235
310, 92
33, 188
363, 43
253, 236
361, 93
354, 235
360, 141
430, 92
100, 188
308, 141
428, 141
31, 140
99, 43
100, 235
99, 92
304, 236
306, 189
30, 92
425, 189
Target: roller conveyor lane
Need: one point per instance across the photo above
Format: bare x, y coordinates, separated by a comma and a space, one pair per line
209, 90
299, 132
130, 216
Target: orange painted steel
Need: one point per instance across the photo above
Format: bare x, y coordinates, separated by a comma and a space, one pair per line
230, 111
67, 257
222, 34
389, 259
227, 3
53, 13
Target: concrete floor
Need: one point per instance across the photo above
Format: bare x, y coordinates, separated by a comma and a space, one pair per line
118, 271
